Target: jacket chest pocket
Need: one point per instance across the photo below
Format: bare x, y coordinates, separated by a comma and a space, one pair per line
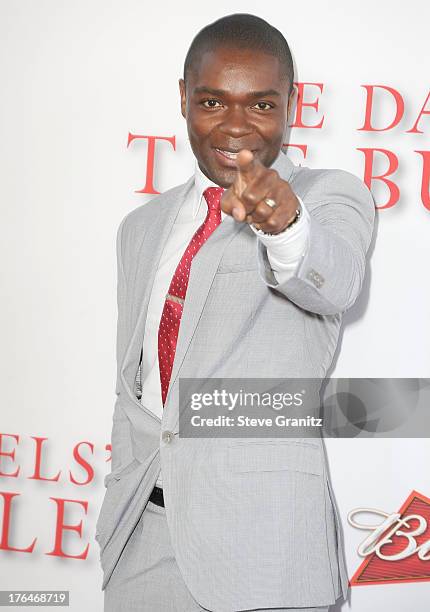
238, 267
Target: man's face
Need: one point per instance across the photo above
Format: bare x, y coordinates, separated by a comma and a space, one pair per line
234, 99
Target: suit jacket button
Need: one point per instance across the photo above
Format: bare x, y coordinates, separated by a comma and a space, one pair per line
167, 436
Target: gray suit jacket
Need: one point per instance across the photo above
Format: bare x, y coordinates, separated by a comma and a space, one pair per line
244, 537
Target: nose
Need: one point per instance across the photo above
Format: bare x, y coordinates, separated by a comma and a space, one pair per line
235, 123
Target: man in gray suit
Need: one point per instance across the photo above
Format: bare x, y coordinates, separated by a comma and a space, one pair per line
243, 271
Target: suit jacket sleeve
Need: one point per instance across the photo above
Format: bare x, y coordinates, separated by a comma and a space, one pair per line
121, 436
330, 274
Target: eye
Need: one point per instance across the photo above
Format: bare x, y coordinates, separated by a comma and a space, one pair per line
211, 103
263, 106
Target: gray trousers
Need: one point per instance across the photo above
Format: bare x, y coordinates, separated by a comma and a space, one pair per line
147, 578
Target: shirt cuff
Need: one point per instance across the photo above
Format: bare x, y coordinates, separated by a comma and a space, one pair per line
285, 250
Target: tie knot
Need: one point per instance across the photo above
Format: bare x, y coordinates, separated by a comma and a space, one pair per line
213, 197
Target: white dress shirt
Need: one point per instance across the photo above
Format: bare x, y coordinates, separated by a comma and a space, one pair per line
284, 252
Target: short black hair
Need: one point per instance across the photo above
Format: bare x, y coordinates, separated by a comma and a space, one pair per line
241, 30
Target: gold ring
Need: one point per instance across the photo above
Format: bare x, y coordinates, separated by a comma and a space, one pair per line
270, 202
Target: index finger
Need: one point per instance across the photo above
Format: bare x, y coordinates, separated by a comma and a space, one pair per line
247, 166
247, 163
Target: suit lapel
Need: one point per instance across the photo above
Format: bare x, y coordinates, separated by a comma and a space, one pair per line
203, 269
152, 246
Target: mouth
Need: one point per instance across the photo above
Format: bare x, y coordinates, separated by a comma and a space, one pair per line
228, 156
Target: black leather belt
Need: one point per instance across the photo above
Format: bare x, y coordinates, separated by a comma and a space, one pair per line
156, 496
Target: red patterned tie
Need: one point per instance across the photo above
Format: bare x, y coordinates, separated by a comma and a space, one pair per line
173, 306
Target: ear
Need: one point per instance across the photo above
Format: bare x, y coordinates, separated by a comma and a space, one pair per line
183, 97
291, 101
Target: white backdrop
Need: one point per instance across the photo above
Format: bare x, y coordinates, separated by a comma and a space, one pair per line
77, 77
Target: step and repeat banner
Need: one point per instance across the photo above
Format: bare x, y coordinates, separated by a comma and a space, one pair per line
90, 129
